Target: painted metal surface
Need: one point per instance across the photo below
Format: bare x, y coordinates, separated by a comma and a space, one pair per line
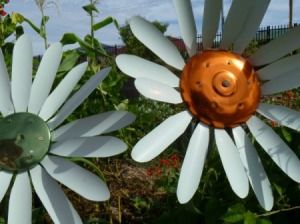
220, 88
24, 141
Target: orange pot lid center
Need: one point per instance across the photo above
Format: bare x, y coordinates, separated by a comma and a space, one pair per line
220, 88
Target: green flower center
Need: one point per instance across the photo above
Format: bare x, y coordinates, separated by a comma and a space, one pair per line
24, 141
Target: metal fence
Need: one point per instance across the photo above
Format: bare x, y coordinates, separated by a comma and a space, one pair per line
263, 35
271, 32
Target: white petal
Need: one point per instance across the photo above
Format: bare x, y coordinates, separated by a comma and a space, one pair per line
53, 198
62, 91
282, 83
211, 20
94, 125
152, 38
235, 20
251, 26
20, 201
282, 115
157, 91
280, 68
78, 98
137, 67
99, 146
44, 78
281, 154
161, 137
5, 179
193, 164
232, 163
277, 48
255, 170
6, 106
187, 25
83, 182
21, 77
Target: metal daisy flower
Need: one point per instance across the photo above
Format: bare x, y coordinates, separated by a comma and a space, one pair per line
222, 91
33, 145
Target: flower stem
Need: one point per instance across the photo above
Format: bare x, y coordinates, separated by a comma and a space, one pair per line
278, 211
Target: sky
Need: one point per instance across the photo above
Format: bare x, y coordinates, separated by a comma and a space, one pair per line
70, 17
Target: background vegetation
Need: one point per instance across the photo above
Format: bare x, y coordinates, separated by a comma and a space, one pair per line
146, 193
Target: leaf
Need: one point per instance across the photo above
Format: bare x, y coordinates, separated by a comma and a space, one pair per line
286, 134
249, 218
278, 189
123, 105
71, 38
9, 26
97, 45
69, 60
19, 31
105, 22
263, 221
44, 20
234, 218
240, 208
90, 9
235, 214
17, 18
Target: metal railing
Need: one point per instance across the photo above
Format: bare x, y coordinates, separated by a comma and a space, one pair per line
263, 35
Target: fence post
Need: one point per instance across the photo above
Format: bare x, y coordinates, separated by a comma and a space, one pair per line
268, 33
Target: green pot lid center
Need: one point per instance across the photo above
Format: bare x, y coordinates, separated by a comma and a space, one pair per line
24, 141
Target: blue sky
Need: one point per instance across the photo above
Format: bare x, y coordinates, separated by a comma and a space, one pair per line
71, 17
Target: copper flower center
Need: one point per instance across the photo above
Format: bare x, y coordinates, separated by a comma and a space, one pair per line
220, 88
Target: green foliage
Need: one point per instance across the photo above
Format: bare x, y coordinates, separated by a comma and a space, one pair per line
19, 18
69, 60
9, 25
142, 204
238, 214
90, 9
251, 49
107, 21
42, 5
86, 47
37, 215
235, 214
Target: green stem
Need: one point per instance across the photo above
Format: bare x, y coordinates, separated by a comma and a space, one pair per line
43, 29
93, 58
91, 27
278, 211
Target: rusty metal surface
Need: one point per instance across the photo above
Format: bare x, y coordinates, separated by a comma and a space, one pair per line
220, 88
